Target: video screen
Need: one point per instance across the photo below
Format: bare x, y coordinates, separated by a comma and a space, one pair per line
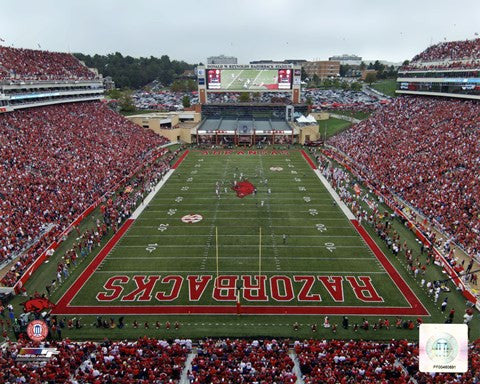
249, 79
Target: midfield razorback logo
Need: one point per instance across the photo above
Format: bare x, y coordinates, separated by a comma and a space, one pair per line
243, 188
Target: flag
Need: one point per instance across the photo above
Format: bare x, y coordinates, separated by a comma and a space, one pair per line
2, 40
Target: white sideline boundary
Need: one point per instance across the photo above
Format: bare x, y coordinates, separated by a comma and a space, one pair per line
151, 195
335, 196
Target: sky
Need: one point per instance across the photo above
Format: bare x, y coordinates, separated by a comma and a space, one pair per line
192, 30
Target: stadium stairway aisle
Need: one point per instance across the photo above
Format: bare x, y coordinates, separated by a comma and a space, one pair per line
296, 367
399, 364
188, 367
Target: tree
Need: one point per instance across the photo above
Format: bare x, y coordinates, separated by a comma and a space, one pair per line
131, 72
371, 77
304, 74
356, 86
327, 83
126, 103
362, 66
178, 86
186, 101
191, 85
309, 100
114, 94
244, 97
344, 68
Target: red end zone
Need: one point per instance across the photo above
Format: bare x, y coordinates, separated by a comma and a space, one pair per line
63, 307
415, 308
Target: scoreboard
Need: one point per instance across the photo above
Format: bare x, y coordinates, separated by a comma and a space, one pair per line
249, 79
284, 79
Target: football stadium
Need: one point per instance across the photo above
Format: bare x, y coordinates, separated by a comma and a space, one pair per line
250, 247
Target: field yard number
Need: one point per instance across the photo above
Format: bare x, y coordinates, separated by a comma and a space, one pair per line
190, 179
200, 159
172, 211
194, 172
197, 165
313, 212
330, 246
321, 227
287, 160
293, 172
151, 247
178, 199
297, 179
307, 199
302, 188
291, 166
163, 227
185, 188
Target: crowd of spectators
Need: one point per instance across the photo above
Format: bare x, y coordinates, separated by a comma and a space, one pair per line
455, 65
463, 54
142, 361
157, 361
348, 361
426, 151
114, 211
451, 50
241, 361
30, 64
56, 161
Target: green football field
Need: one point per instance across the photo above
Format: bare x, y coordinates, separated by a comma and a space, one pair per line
237, 79
285, 247
233, 273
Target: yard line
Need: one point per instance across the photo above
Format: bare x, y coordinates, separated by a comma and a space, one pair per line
196, 272
235, 78
248, 210
251, 218
259, 73
163, 235
169, 204
240, 246
237, 257
242, 226
233, 197
212, 226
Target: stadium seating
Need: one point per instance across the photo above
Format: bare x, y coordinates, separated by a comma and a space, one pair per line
142, 361
29, 64
340, 361
426, 151
228, 361
58, 160
452, 50
447, 55
240, 361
